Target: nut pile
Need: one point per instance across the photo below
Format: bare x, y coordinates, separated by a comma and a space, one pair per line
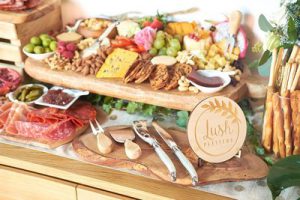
91, 64
184, 85
83, 44
58, 62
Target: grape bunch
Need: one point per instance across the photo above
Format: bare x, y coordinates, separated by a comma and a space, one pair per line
165, 44
67, 50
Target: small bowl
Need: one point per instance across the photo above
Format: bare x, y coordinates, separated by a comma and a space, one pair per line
41, 56
213, 73
72, 92
11, 95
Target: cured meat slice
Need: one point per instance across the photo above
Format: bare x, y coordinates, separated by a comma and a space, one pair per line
16, 5
17, 113
5, 2
82, 110
46, 125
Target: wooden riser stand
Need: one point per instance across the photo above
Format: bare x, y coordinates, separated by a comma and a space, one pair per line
16, 29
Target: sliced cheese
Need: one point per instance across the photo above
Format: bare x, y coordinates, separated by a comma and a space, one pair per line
163, 60
117, 64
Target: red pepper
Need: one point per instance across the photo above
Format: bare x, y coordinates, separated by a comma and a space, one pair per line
135, 48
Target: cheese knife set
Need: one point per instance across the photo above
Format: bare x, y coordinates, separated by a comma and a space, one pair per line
133, 150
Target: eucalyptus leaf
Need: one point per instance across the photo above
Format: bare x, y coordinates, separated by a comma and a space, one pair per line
292, 30
182, 118
283, 174
264, 24
265, 57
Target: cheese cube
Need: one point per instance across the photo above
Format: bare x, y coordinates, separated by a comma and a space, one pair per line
117, 64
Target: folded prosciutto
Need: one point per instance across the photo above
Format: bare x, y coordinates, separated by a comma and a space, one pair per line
15, 5
46, 125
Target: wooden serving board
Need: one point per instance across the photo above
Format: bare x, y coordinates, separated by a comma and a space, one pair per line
249, 166
42, 143
18, 17
133, 92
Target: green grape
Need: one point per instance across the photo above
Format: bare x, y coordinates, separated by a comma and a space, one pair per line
162, 51
153, 51
175, 44
159, 43
171, 51
160, 34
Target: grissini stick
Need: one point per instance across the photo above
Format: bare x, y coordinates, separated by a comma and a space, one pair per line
268, 117
268, 121
278, 131
296, 79
292, 76
294, 54
295, 104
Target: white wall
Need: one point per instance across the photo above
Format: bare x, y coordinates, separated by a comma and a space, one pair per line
208, 9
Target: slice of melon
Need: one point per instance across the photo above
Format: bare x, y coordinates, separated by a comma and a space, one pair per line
222, 33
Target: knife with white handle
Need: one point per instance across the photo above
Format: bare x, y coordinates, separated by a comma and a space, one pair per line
140, 128
181, 157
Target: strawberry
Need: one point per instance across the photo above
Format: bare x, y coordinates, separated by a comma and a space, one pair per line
157, 24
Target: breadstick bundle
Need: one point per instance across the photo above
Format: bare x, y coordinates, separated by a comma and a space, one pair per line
281, 127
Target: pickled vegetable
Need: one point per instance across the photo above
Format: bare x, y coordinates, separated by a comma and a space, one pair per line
28, 94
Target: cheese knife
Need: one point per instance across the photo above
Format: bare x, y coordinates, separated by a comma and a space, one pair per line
140, 128
181, 157
95, 46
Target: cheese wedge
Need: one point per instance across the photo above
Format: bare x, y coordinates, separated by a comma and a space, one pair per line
117, 64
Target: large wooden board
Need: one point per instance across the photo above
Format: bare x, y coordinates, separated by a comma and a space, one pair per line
19, 17
247, 167
134, 92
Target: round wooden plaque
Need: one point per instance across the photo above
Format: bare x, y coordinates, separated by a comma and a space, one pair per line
217, 129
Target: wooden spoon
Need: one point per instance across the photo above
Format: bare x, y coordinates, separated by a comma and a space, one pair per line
132, 150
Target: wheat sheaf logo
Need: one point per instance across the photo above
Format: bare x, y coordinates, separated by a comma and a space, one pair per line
226, 110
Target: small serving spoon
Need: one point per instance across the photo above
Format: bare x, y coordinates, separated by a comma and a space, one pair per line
124, 135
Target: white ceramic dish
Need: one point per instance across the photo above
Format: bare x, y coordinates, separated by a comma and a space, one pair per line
11, 95
74, 93
38, 56
213, 73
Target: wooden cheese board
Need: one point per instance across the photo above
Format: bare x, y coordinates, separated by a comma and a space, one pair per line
249, 166
133, 92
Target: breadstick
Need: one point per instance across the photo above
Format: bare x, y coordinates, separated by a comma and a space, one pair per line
285, 77
297, 136
285, 101
295, 104
278, 130
278, 70
296, 79
292, 76
268, 121
293, 54
272, 69
268, 117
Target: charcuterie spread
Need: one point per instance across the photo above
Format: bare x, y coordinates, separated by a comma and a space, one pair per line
153, 51
153, 64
